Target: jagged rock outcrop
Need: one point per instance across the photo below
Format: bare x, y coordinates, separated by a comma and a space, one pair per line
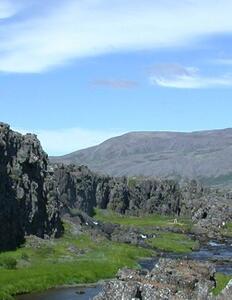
170, 279
77, 188
28, 197
81, 189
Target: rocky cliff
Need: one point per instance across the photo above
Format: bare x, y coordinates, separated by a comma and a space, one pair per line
33, 193
81, 189
28, 197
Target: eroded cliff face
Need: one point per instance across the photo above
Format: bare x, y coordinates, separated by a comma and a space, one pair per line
81, 189
28, 198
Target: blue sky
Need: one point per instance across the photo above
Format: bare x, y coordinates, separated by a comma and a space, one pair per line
78, 72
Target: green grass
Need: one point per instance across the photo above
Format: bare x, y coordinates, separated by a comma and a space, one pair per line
227, 230
173, 242
221, 282
53, 263
145, 221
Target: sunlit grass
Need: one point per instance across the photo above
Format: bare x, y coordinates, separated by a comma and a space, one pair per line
173, 242
227, 230
221, 282
53, 264
143, 221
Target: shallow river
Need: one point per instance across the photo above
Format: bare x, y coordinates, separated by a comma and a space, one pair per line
220, 254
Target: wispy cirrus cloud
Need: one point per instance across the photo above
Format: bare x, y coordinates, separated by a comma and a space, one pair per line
58, 31
114, 83
180, 77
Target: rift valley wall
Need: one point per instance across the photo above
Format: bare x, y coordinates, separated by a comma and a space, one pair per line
29, 202
34, 194
79, 188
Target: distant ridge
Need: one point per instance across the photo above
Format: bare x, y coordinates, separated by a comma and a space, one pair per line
203, 155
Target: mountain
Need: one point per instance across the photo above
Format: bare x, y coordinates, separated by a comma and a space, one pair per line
203, 155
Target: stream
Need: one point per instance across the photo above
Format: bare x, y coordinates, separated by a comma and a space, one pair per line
219, 254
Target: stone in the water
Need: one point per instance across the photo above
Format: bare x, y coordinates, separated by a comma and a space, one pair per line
170, 279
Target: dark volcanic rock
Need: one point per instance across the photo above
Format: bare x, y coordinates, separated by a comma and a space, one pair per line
77, 188
28, 198
170, 279
81, 189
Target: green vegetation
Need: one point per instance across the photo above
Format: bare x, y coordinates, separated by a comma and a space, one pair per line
173, 242
132, 181
227, 230
165, 241
221, 282
40, 265
145, 221
8, 262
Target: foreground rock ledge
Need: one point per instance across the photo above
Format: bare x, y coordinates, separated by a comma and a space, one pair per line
170, 279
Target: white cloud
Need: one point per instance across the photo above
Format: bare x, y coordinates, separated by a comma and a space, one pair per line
180, 77
64, 141
65, 30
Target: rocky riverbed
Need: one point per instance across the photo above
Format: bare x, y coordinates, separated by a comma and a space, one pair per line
173, 276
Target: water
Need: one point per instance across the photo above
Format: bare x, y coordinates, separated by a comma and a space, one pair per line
220, 254
64, 294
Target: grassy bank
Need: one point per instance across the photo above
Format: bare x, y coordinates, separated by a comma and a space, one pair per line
173, 242
165, 241
144, 221
82, 258
69, 260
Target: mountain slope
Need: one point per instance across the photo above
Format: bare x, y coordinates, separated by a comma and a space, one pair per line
206, 155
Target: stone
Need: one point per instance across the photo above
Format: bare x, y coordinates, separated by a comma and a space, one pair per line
170, 279
29, 203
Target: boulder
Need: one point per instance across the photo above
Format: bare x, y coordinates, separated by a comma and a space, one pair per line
170, 279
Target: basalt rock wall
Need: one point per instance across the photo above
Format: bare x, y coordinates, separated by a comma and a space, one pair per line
29, 201
81, 189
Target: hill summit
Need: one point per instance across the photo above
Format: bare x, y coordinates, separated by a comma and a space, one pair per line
203, 155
